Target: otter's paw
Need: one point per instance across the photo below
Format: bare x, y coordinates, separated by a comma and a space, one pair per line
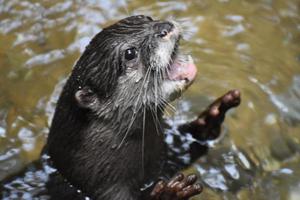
179, 187
208, 124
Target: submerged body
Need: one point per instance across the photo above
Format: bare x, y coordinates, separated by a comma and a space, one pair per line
107, 134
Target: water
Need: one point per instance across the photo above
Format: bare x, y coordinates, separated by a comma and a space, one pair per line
252, 45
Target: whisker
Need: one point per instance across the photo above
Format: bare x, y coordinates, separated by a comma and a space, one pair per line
166, 103
156, 121
143, 141
135, 109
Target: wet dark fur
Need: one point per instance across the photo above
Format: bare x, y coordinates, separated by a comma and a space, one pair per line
106, 137
85, 144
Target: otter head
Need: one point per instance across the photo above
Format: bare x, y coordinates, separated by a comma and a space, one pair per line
133, 63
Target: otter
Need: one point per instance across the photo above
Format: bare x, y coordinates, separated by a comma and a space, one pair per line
107, 137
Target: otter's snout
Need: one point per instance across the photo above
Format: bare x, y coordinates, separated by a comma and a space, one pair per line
164, 29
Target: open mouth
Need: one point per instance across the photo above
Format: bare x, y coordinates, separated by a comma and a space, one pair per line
181, 67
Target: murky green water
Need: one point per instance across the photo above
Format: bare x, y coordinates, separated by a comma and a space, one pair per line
252, 45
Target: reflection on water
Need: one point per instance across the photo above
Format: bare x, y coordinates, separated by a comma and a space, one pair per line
290, 100
250, 45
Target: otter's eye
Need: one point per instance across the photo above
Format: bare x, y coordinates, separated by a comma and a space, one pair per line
130, 53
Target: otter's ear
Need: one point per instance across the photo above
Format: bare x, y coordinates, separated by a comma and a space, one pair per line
86, 98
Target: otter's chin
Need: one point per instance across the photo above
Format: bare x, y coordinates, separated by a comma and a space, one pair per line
182, 72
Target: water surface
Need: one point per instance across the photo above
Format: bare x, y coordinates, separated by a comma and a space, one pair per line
252, 45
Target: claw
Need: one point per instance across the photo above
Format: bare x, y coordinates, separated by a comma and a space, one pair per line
178, 188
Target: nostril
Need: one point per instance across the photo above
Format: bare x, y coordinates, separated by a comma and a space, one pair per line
162, 29
163, 33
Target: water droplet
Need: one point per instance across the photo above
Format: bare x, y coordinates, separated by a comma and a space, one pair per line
146, 186
117, 105
138, 80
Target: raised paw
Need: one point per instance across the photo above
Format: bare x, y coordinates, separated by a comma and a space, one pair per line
208, 124
216, 111
211, 119
180, 187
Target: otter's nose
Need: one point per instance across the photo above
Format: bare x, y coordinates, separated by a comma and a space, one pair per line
163, 29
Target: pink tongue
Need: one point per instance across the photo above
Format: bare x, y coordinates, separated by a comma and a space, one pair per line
183, 71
